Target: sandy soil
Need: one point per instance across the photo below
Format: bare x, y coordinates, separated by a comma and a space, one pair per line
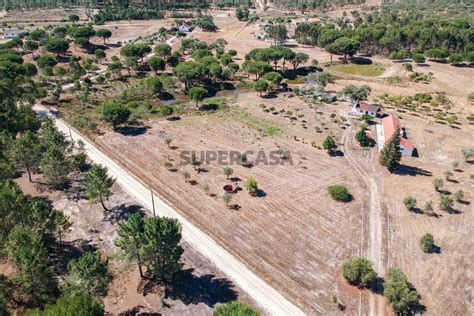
198, 287
312, 240
253, 231
313, 235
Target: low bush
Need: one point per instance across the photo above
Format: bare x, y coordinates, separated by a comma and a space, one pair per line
339, 193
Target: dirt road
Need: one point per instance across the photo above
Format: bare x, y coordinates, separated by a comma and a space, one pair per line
269, 299
375, 228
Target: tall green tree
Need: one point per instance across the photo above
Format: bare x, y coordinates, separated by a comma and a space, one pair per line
278, 33
156, 64
30, 46
330, 144
261, 86
105, 34
26, 152
26, 249
163, 50
391, 154
161, 249
88, 274
71, 305
398, 292
62, 223
197, 94
97, 185
55, 166
56, 45
115, 113
235, 308
130, 238
13, 208
359, 271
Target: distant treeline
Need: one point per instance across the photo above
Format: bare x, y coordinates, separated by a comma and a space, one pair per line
445, 7
155, 4
114, 13
314, 4
232, 3
385, 33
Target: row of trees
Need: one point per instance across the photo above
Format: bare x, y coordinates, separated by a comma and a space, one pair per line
400, 294
274, 54
155, 4
384, 33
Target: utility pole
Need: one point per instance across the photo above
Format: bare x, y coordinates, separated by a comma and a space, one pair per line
153, 202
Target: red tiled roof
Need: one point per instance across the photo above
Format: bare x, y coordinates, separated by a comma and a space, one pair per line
368, 107
406, 143
390, 123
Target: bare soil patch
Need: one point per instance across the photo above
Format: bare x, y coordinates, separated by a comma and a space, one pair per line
196, 289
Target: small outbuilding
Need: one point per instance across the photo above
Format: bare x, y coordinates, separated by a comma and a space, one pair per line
14, 33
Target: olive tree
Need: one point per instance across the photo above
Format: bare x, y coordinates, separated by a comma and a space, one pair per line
359, 271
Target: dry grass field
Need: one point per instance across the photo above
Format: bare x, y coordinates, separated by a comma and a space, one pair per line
294, 235
198, 288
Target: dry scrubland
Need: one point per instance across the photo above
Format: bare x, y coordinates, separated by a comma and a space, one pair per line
295, 236
197, 289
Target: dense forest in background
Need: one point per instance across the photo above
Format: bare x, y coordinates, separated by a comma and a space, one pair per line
155, 4
393, 33
313, 4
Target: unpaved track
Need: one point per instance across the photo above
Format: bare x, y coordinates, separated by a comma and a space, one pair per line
269, 299
375, 237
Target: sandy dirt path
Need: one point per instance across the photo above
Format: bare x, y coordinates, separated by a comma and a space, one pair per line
375, 225
269, 299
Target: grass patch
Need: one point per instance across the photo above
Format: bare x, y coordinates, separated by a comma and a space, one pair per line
266, 127
370, 70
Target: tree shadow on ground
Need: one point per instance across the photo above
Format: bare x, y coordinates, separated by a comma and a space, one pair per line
192, 289
454, 211
361, 61
62, 253
209, 107
404, 170
377, 286
270, 95
136, 311
122, 212
133, 130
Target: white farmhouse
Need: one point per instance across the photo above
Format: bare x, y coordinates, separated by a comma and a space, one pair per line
360, 108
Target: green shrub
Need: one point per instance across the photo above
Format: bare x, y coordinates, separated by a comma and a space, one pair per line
339, 193
427, 243
359, 271
235, 308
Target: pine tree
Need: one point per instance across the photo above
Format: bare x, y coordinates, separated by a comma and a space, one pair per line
56, 166
97, 185
62, 223
26, 152
362, 138
330, 144
88, 274
130, 238
28, 253
391, 154
161, 249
